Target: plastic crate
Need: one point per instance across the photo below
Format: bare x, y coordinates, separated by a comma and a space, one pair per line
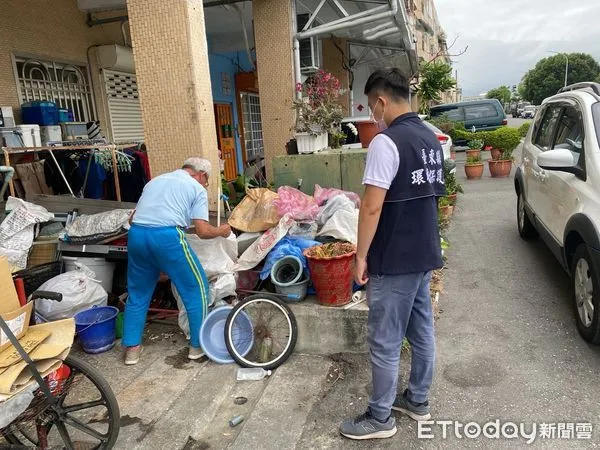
39, 113
34, 277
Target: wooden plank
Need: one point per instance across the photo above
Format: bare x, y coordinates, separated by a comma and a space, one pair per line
65, 204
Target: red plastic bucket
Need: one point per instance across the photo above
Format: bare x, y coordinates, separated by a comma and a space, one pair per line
332, 278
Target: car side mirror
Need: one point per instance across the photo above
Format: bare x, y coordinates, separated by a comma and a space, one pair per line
561, 160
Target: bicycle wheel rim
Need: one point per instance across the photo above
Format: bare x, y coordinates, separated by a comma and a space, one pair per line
240, 357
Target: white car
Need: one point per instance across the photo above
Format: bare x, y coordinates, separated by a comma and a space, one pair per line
444, 139
528, 112
558, 185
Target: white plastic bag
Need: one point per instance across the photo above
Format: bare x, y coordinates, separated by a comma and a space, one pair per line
261, 247
217, 255
343, 225
80, 291
334, 205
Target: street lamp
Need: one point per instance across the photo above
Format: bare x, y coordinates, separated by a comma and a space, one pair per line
566, 66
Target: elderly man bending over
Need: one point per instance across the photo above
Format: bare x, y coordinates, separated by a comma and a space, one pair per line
169, 204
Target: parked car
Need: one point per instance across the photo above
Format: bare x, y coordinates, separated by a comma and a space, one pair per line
478, 115
557, 184
444, 139
528, 112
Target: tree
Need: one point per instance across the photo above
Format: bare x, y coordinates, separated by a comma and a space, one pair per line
501, 93
435, 79
548, 75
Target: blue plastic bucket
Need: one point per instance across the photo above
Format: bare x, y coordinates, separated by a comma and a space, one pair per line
212, 335
96, 328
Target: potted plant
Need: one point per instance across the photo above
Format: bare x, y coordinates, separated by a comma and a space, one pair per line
445, 208
474, 148
507, 139
453, 154
453, 188
331, 268
318, 112
337, 139
474, 168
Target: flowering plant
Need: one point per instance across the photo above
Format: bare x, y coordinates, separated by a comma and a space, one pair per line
318, 110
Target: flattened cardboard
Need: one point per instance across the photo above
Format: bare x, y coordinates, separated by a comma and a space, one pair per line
18, 376
9, 301
30, 341
18, 322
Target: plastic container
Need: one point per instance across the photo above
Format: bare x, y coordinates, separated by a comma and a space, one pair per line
212, 335
51, 133
252, 374
287, 271
39, 113
332, 277
367, 130
65, 115
96, 328
10, 137
104, 270
297, 291
30, 135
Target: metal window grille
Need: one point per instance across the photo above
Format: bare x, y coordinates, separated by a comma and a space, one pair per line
253, 135
64, 84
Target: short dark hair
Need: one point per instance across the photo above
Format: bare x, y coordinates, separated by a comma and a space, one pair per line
390, 81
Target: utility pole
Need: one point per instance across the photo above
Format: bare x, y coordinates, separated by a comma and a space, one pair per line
566, 65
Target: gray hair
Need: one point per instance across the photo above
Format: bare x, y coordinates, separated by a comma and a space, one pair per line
198, 165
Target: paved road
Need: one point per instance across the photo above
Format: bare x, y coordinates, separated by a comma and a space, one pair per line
514, 122
507, 345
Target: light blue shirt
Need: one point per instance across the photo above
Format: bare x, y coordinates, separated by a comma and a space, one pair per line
170, 200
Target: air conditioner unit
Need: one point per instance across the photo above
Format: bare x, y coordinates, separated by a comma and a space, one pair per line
116, 57
310, 60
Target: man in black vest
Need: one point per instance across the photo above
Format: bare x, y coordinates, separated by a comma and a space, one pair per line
398, 247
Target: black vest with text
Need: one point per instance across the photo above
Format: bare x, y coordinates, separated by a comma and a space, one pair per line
407, 239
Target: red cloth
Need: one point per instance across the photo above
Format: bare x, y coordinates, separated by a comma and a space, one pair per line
145, 164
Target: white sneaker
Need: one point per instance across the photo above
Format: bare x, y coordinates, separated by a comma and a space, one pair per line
132, 355
196, 353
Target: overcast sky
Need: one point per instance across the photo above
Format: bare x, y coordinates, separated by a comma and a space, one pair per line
507, 37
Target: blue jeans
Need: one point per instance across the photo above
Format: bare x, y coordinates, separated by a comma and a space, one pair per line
399, 306
151, 251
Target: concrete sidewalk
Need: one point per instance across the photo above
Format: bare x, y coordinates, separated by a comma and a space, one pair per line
507, 350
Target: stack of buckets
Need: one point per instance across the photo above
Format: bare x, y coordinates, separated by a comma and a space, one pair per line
289, 278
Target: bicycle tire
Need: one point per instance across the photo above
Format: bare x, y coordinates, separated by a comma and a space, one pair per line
112, 406
293, 325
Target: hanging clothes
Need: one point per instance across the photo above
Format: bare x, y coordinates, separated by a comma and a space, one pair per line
95, 183
131, 183
145, 164
69, 168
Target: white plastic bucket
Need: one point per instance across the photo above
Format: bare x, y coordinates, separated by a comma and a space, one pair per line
103, 269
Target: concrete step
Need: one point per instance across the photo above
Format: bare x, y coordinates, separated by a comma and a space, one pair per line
324, 330
288, 399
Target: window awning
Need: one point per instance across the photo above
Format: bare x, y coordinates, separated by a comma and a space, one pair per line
382, 24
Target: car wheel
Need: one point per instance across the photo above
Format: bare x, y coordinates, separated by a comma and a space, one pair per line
586, 292
526, 228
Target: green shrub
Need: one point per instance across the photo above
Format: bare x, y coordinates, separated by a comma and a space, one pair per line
524, 129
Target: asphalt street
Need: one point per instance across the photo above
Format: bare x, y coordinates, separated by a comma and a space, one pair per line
507, 345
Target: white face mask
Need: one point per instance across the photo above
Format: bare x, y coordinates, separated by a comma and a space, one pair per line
381, 125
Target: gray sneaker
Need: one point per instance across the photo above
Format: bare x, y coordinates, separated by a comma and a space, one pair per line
195, 353
366, 426
414, 411
132, 355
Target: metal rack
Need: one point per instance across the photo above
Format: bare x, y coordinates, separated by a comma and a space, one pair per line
9, 151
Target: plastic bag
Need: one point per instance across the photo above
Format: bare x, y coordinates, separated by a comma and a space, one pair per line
15, 405
296, 203
217, 255
262, 246
256, 211
334, 205
289, 246
323, 195
306, 230
80, 291
342, 225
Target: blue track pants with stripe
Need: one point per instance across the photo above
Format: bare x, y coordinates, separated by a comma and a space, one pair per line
151, 251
